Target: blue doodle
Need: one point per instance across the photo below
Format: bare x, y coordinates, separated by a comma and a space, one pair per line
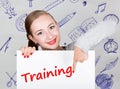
30, 3
20, 22
88, 24
111, 46
5, 45
9, 83
9, 10
75, 33
112, 17
74, 1
104, 81
97, 60
110, 65
84, 3
53, 4
101, 8
83, 28
66, 19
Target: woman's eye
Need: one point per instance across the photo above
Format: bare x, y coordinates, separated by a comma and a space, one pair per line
51, 27
39, 33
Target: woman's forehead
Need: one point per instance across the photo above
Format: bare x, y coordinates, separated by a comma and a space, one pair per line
42, 22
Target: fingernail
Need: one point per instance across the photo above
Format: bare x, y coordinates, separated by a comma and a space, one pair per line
24, 56
22, 53
31, 53
27, 56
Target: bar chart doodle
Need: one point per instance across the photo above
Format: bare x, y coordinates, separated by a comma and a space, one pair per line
111, 46
66, 19
111, 17
9, 9
20, 23
53, 4
101, 8
6, 45
9, 83
104, 81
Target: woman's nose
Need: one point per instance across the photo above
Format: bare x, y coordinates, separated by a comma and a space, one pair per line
49, 35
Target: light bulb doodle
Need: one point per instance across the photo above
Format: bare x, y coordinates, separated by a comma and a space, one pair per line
110, 65
5, 45
20, 23
9, 10
104, 81
9, 83
111, 17
53, 4
66, 19
111, 46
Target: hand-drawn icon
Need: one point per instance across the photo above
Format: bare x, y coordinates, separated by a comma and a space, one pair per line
88, 24
101, 8
5, 45
9, 10
83, 28
111, 17
111, 46
53, 4
75, 33
30, 3
84, 3
20, 23
97, 60
74, 1
66, 19
104, 81
110, 65
9, 83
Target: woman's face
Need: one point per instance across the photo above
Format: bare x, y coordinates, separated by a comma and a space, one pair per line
45, 32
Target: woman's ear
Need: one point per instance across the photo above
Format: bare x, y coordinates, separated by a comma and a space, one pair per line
31, 38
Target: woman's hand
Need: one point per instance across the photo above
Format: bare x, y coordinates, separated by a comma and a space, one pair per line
27, 51
79, 56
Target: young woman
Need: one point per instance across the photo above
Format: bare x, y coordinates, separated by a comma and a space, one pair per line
43, 30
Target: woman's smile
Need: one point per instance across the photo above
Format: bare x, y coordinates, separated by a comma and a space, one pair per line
52, 42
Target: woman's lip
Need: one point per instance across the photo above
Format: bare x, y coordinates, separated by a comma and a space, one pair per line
52, 42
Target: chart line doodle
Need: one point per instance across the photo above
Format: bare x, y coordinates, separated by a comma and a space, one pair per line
9, 83
5, 45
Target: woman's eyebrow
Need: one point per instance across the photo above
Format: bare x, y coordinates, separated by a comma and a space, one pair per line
38, 31
50, 24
